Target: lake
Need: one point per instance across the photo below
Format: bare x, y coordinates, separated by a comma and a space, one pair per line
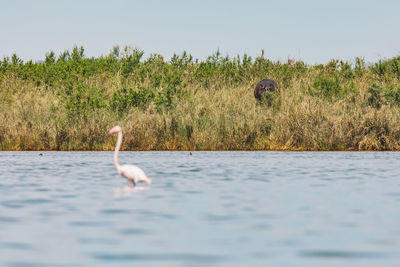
205, 209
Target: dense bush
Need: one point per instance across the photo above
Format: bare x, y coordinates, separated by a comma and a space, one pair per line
69, 101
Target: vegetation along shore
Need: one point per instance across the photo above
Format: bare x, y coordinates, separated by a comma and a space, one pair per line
69, 101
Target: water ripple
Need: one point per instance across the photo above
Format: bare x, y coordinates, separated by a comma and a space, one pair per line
34, 264
216, 218
36, 201
90, 223
15, 245
115, 211
104, 241
13, 204
112, 257
342, 254
134, 231
8, 219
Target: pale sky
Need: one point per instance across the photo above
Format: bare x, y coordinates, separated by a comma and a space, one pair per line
311, 30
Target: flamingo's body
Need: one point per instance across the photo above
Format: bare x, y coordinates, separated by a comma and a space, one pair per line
132, 173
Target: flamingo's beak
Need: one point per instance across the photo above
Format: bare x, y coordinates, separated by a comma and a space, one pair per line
148, 181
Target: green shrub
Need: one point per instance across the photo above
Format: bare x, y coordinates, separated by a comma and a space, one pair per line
125, 98
327, 86
374, 96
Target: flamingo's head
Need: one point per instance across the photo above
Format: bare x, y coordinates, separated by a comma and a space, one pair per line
114, 130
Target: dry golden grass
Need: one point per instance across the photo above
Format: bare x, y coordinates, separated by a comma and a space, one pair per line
212, 115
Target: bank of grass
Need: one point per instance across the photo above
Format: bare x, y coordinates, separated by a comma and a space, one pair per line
70, 101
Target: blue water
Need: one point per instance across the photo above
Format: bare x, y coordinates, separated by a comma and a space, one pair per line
204, 209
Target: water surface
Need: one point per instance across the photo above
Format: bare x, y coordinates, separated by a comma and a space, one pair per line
204, 209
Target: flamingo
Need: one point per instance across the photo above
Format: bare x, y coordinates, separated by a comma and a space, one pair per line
132, 173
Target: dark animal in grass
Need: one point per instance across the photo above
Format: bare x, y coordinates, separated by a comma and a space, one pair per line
264, 85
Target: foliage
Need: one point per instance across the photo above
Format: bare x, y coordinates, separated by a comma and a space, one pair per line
68, 101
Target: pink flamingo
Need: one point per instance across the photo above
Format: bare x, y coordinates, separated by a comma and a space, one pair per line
132, 173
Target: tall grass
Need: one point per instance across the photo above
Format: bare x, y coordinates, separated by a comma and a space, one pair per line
68, 102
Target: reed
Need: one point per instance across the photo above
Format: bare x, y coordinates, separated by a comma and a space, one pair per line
69, 102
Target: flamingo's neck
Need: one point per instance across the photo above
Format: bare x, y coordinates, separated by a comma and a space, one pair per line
117, 147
